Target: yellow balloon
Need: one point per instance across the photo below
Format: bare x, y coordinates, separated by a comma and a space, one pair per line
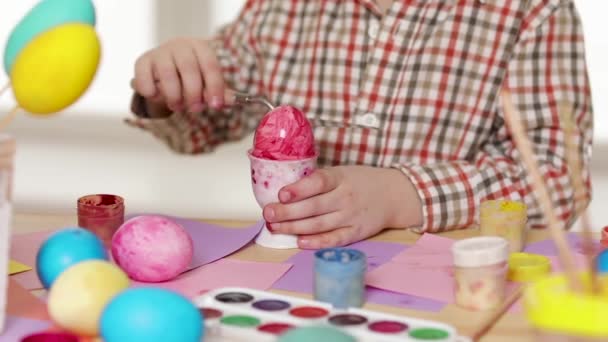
79, 295
56, 68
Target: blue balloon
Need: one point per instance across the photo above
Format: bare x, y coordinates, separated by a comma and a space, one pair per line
64, 249
602, 262
45, 15
149, 314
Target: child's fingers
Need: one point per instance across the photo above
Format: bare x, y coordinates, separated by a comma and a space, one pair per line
319, 182
338, 237
212, 74
168, 77
312, 225
313, 206
191, 78
144, 83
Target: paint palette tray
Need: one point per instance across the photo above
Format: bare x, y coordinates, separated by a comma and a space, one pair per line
239, 314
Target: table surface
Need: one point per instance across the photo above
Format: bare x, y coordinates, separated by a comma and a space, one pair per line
511, 327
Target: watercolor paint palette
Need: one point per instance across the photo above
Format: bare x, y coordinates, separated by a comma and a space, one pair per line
239, 314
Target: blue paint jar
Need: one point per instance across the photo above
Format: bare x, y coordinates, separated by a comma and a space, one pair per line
602, 262
340, 277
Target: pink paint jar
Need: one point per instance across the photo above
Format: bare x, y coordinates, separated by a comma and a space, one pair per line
480, 272
102, 214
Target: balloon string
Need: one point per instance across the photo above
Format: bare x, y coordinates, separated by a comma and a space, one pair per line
6, 120
4, 88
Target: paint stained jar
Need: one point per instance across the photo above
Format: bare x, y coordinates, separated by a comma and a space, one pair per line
480, 272
7, 152
102, 214
506, 219
340, 277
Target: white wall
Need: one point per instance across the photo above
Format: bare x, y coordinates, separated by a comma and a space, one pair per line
596, 30
89, 150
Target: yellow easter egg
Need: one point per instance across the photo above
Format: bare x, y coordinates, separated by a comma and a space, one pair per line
79, 295
56, 68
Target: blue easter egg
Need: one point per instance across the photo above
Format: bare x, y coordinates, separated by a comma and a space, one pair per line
602, 262
46, 15
149, 314
66, 248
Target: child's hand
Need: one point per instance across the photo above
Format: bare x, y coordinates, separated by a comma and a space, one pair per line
182, 74
344, 204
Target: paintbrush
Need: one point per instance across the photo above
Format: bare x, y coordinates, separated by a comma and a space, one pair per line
574, 160
522, 144
496, 315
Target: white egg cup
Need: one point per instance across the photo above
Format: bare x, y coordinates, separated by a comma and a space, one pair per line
267, 178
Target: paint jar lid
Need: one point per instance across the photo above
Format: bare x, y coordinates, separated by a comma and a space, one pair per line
340, 261
493, 207
527, 267
605, 233
480, 251
49, 336
100, 205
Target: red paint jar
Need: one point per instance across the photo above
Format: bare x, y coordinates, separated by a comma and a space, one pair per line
102, 214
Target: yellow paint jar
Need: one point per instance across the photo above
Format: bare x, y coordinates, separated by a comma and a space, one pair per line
560, 315
504, 218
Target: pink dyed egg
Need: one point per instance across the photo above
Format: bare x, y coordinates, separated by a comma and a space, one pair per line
152, 248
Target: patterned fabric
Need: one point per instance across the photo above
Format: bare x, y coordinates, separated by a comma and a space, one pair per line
416, 88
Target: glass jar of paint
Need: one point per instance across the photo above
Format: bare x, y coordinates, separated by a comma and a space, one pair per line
480, 272
101, 214
340, 277
506, 219
7, 152
558, 314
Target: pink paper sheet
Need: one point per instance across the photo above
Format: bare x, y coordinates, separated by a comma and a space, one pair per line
423, 270
211, 242
23, 249
419, 281
223, 273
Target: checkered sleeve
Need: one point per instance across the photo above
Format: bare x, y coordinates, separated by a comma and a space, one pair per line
193, 133
547, 67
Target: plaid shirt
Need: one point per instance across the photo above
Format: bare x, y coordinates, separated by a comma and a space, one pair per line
416, 88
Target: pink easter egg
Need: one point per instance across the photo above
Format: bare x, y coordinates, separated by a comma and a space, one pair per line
152, 248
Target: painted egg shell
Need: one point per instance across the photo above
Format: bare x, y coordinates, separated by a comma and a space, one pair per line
152, 248
56, 68
42, 17
65, 248
148, 314
79, 295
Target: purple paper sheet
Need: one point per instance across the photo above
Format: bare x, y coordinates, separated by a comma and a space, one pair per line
300, 277
213, 242
17, 328
547, 247
389, 298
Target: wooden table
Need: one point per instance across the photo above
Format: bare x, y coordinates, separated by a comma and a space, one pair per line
512, 327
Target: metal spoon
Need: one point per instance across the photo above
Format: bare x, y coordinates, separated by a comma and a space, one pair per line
243, 98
